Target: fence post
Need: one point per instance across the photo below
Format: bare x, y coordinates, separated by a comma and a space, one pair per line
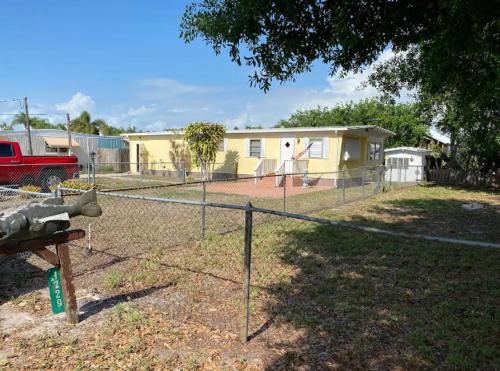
284, 193
247, 260
203, 209
184, 172
363, 181
343, 186
92, 158
390, 177
88, 172
89, 243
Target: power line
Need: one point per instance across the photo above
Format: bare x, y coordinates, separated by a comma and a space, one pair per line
10, 100
35, 114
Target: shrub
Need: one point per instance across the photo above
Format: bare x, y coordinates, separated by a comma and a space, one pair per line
75, 184
29, 188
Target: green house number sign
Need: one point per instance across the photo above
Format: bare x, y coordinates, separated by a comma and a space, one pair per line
55, 289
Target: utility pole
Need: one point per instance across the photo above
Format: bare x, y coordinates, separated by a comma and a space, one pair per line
27, 124
70, 147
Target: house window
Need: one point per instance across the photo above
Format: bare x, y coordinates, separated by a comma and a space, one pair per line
255, 147
6, 150
222, 146
398, 162
316, 148
373, 151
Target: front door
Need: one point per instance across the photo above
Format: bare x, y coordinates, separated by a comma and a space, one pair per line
287, 152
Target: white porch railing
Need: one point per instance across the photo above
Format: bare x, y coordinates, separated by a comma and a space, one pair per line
264, 166
279, 173
300, 166
291, 167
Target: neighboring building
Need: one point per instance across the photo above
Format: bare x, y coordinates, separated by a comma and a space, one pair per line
435, 137
52, 142
261, 151
406, 164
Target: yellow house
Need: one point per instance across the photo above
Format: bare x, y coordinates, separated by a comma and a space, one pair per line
261, 151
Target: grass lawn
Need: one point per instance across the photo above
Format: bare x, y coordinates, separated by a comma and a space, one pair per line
322, 297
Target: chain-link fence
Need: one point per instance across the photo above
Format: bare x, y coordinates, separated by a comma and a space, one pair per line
298, 192
193, 235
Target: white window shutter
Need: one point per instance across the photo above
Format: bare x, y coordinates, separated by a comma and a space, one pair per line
306, 144
246, 149
325, 147
225, 145
263, 147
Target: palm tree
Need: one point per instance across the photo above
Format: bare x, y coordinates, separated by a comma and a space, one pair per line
84, 124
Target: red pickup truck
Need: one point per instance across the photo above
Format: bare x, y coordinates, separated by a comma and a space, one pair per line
44, 171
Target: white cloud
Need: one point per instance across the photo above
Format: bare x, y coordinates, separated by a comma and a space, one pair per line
165, 88
142, 110
79, 102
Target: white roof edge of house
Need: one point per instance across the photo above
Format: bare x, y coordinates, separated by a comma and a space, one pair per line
58, 131
414, 149
277, 130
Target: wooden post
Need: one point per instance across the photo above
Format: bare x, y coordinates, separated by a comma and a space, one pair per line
70, 147
28, 129
70, 304
247, 262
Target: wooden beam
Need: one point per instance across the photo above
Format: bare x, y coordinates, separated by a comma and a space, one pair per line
48, 256
31, 245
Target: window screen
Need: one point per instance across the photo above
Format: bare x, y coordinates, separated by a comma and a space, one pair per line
316, 149
352, 149
373, 151
6, 150
255, 147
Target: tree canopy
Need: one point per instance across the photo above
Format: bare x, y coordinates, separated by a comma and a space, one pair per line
35, 122
447, 51
404, 119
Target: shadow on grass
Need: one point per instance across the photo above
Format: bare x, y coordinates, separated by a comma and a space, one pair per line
19, 277
91, 308
363, 301
439, 217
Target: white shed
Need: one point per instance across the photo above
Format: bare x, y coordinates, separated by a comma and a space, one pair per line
405, 164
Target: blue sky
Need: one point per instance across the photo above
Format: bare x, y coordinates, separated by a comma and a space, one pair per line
124, 62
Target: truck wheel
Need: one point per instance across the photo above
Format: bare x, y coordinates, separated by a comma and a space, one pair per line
51, 179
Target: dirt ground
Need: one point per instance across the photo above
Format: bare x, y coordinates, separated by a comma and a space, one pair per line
322, 297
